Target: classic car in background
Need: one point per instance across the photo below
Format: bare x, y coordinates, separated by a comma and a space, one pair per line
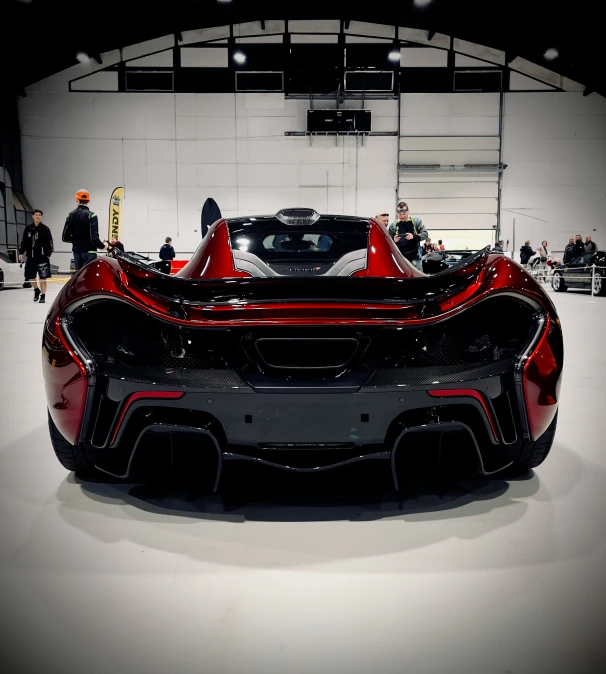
579, 273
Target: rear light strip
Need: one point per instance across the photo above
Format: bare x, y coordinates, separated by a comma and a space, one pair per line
142, 395
468, 393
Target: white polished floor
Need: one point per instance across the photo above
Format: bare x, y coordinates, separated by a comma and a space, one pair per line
484, 577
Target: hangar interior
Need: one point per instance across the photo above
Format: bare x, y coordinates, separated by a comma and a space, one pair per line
488, 136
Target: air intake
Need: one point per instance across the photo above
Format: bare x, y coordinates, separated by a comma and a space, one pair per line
298, 216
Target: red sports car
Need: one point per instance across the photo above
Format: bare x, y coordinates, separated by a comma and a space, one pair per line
305, 342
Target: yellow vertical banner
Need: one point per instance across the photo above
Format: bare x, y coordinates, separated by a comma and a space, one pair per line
115, 213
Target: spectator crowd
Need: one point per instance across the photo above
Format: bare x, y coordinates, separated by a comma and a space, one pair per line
541, 258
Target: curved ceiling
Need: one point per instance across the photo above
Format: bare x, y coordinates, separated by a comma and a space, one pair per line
44, 38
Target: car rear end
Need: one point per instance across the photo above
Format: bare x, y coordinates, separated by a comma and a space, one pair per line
310, 384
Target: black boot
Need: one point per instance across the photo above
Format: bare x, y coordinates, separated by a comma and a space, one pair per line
36, 294
42, 299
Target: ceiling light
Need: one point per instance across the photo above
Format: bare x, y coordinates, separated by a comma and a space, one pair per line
82, 57
394, 54
551, 54
421, 3
223, 2
239, 57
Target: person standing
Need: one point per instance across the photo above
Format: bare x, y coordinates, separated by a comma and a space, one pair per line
37, 244
82, 231
113, 246
579, 246
440, 245
382, 218
167, 253
428, 246
526, 253
543, 251
544, 256
569, 251
590, 246
408, 232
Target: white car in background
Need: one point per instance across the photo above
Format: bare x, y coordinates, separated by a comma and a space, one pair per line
11, 273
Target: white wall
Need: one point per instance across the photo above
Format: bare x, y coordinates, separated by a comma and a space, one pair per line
555, 181
171, 152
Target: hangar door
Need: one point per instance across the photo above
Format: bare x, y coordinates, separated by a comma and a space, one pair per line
448, 169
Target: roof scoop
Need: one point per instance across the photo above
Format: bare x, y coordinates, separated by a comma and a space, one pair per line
298, 216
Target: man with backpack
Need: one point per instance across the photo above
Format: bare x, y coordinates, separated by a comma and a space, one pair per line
408, 232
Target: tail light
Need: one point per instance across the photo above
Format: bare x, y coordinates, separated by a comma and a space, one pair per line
541, 379
65, 380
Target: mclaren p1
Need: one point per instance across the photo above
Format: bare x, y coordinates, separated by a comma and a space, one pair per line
304, 342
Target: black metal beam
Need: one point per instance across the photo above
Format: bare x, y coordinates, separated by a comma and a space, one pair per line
587, 91
431, 33
262, 24
179, 36
346, 23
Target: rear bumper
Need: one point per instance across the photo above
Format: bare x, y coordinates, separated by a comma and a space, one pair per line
257, 420
305, 431
247, 409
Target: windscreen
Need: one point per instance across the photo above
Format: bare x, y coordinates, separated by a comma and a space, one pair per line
299, 249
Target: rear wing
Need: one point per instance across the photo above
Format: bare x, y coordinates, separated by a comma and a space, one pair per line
292, 289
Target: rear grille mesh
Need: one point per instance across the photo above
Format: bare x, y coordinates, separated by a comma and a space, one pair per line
195, 378
124, 341
450, 374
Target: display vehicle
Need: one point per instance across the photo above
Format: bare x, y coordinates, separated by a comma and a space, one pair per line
580, 273
11, 273
304, 342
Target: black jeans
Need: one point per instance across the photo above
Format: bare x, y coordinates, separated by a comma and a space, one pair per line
81, 259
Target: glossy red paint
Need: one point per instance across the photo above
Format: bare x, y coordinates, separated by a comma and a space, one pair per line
176, 266
484, 278
213, 264
468, 393
65, 380
542, 379
142, 395
384, 257
213, 259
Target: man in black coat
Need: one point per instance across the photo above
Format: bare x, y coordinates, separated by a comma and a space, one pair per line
167, 253
590, 246
526, 253
579, 246
37, 245
569, 251
82, 231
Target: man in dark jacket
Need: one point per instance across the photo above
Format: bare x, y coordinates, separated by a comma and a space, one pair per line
569, 251
82, 231
408, 232
526, 253
167, 253
579, 246
590, 246
37, 244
